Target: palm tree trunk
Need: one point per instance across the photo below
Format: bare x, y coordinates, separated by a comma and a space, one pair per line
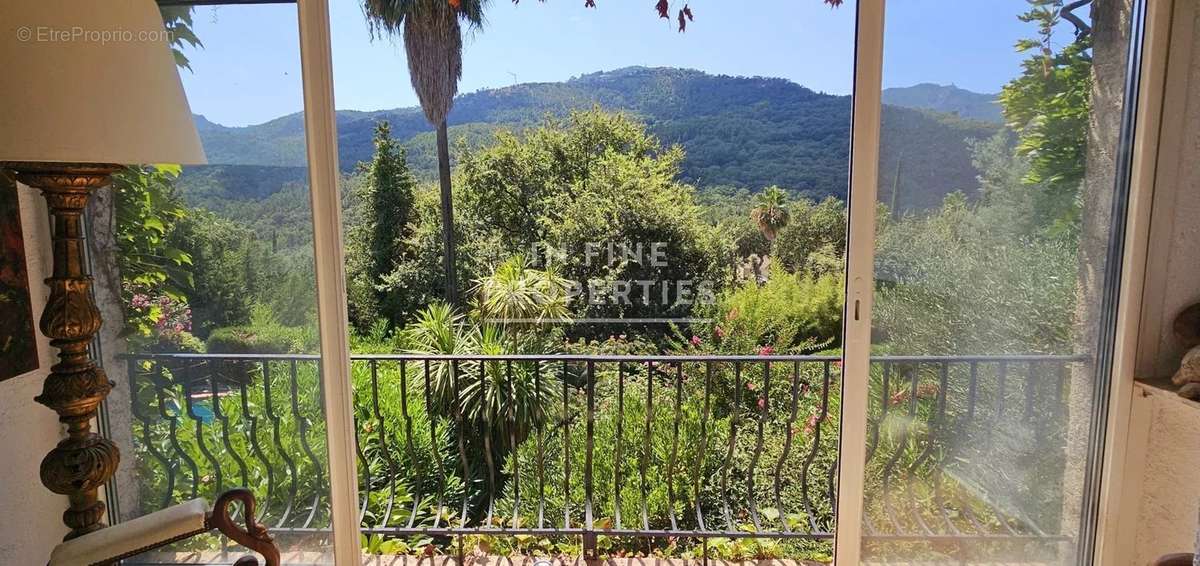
449, 256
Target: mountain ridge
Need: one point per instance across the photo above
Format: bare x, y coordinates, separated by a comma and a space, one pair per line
948, 99
737, 131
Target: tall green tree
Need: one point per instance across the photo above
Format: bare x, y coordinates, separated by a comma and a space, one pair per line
227, 263
433, 45
388, 219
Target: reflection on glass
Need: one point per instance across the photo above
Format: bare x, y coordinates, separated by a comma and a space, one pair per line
989, 264
219, 297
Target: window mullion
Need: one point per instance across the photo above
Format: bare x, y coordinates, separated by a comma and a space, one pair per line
860, 277
321, 135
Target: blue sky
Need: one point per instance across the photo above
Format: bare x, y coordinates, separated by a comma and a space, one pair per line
249, 69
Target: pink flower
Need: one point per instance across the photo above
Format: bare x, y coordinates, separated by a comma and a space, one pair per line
762, 403
751, 386
720, 332
696, 341
766, 350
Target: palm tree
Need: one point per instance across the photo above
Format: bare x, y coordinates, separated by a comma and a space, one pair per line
433, 45
770, 212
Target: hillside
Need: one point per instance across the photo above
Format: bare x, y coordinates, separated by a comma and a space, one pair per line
737, 131
946, 99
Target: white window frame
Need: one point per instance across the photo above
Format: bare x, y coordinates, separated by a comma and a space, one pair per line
321, 136
1117, 514
320, 126
860, 277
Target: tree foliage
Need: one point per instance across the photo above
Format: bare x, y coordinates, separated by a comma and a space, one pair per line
146, 211
382, 237
582, 191
1048, 106
770, 211
229, 267
815, 238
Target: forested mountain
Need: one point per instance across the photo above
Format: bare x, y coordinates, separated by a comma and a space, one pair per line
948, 99
746, 132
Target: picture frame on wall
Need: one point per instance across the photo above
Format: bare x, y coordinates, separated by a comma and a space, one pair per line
18, 338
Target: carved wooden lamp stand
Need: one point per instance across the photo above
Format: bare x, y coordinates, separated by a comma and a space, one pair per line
83, 461
73, 110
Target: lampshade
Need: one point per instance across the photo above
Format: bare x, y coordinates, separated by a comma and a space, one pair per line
91, 81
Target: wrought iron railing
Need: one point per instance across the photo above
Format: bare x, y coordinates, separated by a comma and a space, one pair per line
687, 446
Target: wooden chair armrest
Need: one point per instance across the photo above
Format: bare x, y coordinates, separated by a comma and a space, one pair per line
254, 536
160, 528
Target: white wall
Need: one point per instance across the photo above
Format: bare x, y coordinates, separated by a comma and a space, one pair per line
30, 515
1165, 439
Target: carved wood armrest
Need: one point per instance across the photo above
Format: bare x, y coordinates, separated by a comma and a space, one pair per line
255, 536
179, 522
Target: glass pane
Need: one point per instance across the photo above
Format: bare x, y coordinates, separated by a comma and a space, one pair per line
220, 300
614, 224
989, 277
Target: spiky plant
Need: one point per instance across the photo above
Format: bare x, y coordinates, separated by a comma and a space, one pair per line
516, 294
438, 329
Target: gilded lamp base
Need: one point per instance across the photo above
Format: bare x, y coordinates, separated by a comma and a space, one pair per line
83, 461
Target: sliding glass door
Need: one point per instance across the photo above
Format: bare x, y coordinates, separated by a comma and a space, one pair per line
228, 352
670, 300
994, 278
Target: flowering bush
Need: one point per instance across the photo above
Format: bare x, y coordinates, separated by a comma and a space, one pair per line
158, 321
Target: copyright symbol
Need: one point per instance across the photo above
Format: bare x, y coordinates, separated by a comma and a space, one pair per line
24, 34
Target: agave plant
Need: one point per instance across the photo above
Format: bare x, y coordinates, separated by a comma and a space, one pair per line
506, 398
517, 294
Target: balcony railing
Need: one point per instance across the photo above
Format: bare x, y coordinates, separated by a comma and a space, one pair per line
637, 446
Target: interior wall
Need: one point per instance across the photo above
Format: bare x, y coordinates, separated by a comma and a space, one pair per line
1167, 432
1160, 490
1173, 258
30, 515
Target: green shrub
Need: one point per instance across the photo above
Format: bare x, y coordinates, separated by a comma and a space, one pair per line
792, 313
264, 335
260, 340
954, 282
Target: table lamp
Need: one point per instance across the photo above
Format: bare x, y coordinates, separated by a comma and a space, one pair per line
89, 87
